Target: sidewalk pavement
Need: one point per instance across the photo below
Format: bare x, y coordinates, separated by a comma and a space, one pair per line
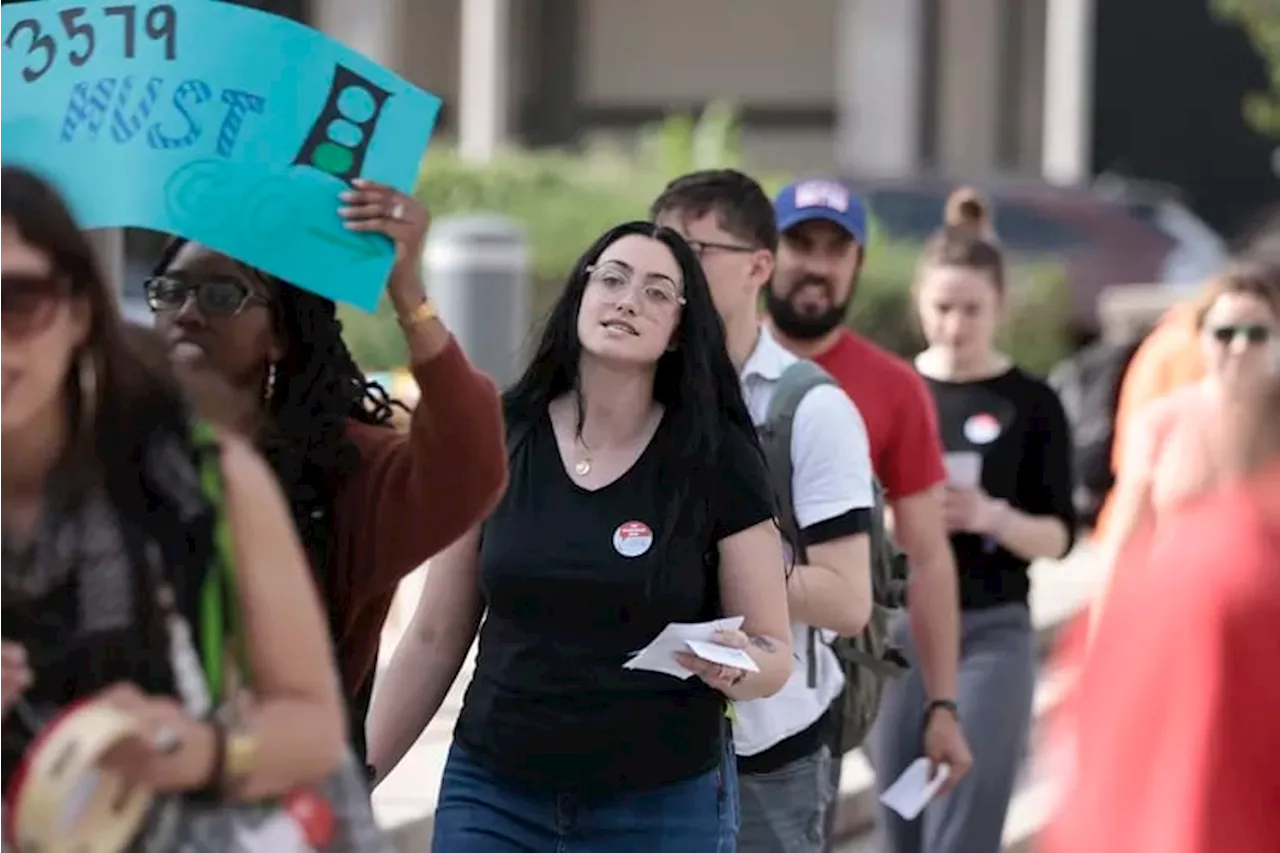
405, 801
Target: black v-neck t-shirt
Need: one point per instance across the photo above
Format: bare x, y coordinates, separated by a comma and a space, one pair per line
1016, 422
563, 573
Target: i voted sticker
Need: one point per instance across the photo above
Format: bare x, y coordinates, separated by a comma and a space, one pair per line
982, 428
632, 539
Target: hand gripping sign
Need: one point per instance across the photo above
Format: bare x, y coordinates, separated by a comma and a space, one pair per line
226, 125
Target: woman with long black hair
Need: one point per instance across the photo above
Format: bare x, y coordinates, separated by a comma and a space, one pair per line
371, 502
638, 498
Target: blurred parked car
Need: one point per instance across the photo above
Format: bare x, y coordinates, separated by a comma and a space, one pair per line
1200, 251
1114, 234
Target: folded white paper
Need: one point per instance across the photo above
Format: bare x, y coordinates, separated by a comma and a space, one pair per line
913, 790
660, 654
716, 653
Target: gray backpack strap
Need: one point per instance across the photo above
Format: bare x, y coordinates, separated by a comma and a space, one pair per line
880, 666
775, 437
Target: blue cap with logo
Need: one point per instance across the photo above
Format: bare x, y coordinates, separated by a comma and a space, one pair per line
821, 198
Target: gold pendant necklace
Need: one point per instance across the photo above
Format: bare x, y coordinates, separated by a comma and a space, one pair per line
583, 466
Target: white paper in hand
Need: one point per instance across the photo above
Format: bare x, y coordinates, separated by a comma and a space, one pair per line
913, 790
660, 655
723, 655
964, 469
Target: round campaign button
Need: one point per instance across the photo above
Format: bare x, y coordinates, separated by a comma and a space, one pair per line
982, 428
632, 539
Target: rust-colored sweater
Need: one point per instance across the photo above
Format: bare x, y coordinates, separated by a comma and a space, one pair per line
413, 494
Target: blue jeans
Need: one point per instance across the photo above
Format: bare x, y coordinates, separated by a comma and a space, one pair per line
480, 812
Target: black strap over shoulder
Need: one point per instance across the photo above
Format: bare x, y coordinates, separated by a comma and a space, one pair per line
165, 518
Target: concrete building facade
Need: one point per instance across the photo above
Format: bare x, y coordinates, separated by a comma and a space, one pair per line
872, 86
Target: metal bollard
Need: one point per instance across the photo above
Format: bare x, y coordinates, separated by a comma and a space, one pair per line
477, 269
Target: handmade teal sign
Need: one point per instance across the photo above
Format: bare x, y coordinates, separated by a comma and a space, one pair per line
225, 125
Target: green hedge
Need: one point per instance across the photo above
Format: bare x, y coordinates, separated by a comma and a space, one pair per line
564, 201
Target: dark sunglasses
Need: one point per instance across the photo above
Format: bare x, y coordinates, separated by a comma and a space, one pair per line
1254, 335
28, 303
216, 296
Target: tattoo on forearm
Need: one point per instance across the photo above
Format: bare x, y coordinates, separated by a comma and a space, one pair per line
764, 644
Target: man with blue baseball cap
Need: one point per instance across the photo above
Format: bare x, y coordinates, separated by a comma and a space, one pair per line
822, 245
810, 311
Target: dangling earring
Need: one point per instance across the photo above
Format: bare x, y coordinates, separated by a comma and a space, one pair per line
87, 382
269, 390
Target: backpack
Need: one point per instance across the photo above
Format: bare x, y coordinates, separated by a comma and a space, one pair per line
867, 659
1088, 384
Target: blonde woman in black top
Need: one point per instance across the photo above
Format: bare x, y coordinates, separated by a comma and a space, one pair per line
1008, 503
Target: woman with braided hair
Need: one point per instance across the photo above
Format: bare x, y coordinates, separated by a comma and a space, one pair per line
371, 502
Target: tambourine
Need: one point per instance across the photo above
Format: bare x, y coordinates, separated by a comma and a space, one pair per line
61, 801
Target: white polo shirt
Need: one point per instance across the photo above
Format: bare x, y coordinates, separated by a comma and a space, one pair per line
831, 475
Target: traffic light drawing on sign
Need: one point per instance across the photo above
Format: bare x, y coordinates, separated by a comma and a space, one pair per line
337, 142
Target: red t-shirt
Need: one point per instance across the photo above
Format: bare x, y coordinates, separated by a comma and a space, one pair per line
895, 404
1176, 718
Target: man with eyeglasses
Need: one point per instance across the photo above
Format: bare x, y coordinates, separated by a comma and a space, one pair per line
783, 742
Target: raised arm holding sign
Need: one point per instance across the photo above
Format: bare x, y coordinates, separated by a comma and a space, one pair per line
225, 125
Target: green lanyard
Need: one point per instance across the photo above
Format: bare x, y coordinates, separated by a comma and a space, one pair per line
219, 613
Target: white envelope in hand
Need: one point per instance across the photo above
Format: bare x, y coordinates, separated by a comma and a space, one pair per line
660, 654
964, 469
913, 790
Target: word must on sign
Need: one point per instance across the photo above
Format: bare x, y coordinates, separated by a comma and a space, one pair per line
134, 108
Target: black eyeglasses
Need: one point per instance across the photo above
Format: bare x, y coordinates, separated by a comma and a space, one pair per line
700, 247
1254, 335
216, 296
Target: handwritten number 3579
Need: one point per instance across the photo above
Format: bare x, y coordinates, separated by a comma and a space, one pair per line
159, 24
